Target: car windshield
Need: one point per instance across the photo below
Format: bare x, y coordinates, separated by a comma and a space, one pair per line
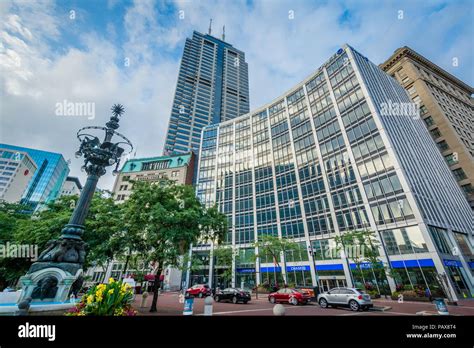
360, 290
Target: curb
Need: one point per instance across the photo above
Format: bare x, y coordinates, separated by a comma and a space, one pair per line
380, 309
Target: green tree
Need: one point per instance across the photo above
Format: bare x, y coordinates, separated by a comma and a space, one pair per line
103, 222
172, 218
223, 260
274, 246
362, 247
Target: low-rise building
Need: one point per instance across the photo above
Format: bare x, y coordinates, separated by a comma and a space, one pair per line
16, 170
72, 186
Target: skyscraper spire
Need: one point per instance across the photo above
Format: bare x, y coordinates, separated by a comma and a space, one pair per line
223, 33
210, 26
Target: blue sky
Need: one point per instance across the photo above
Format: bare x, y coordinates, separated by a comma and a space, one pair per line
47, 57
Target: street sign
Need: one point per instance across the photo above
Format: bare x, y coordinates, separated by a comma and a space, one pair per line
188, 306
441, 306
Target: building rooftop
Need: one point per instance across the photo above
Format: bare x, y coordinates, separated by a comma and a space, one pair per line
406, 51
172, 161
75, 180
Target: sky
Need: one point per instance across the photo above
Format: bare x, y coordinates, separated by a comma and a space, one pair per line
128, 52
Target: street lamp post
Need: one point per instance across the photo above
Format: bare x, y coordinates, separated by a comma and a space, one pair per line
311, 252
58, 270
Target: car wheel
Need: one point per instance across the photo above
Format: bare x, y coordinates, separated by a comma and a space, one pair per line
354, 305
272, 300
200, 295
365, 309
323, 303
234, 300
217, 299
293, 301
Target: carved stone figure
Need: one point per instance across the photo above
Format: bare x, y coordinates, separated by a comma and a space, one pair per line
64, 250
46, 288
76, 286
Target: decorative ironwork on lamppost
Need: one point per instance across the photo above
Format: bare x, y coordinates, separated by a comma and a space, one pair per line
68, 252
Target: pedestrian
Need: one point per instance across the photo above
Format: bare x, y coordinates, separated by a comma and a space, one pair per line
428, 294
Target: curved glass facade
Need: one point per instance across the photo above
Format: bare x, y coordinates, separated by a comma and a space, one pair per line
323, 160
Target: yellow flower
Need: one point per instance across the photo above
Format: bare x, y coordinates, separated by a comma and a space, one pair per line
111, 280
111, 291
99, 297
90, 299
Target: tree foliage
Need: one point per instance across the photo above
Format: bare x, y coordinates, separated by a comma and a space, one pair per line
170, 218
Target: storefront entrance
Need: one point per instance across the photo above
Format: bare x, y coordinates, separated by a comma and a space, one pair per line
327, 283
458, 281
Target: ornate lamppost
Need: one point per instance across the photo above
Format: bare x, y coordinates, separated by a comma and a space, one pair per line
58, 271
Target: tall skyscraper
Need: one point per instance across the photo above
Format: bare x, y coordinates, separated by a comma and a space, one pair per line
344, 150
447, 108
45, 185
212, 87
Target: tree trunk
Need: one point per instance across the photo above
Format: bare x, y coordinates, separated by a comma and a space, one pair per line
126, 265
105, 271
156, 287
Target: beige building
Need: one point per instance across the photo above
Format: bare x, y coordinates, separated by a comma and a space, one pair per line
179, 168
71, 187
447, 108
16, 170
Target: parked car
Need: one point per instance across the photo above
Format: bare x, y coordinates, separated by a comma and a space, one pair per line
290, 295
232, 294
355, 299
199, 290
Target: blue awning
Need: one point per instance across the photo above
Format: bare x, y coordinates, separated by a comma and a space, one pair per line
363, 265
412, 263
453, 263
297, 268
330, 267
245, 270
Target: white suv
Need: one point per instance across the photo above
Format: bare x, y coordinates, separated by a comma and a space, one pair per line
355, 299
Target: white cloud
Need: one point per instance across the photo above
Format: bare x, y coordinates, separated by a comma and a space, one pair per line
38, 71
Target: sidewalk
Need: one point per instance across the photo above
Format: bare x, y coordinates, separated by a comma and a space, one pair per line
413, 307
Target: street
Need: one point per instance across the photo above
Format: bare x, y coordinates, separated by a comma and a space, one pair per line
168, 304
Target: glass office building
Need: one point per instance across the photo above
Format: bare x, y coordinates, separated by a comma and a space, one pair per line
342, 151
45, 185
212, 87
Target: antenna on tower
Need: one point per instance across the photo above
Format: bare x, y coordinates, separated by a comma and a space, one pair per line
210, 26
223, 33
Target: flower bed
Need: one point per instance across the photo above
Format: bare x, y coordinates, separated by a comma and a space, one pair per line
112, 299
409, 295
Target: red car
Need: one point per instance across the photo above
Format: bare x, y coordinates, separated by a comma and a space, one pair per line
199, 290
292, 296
